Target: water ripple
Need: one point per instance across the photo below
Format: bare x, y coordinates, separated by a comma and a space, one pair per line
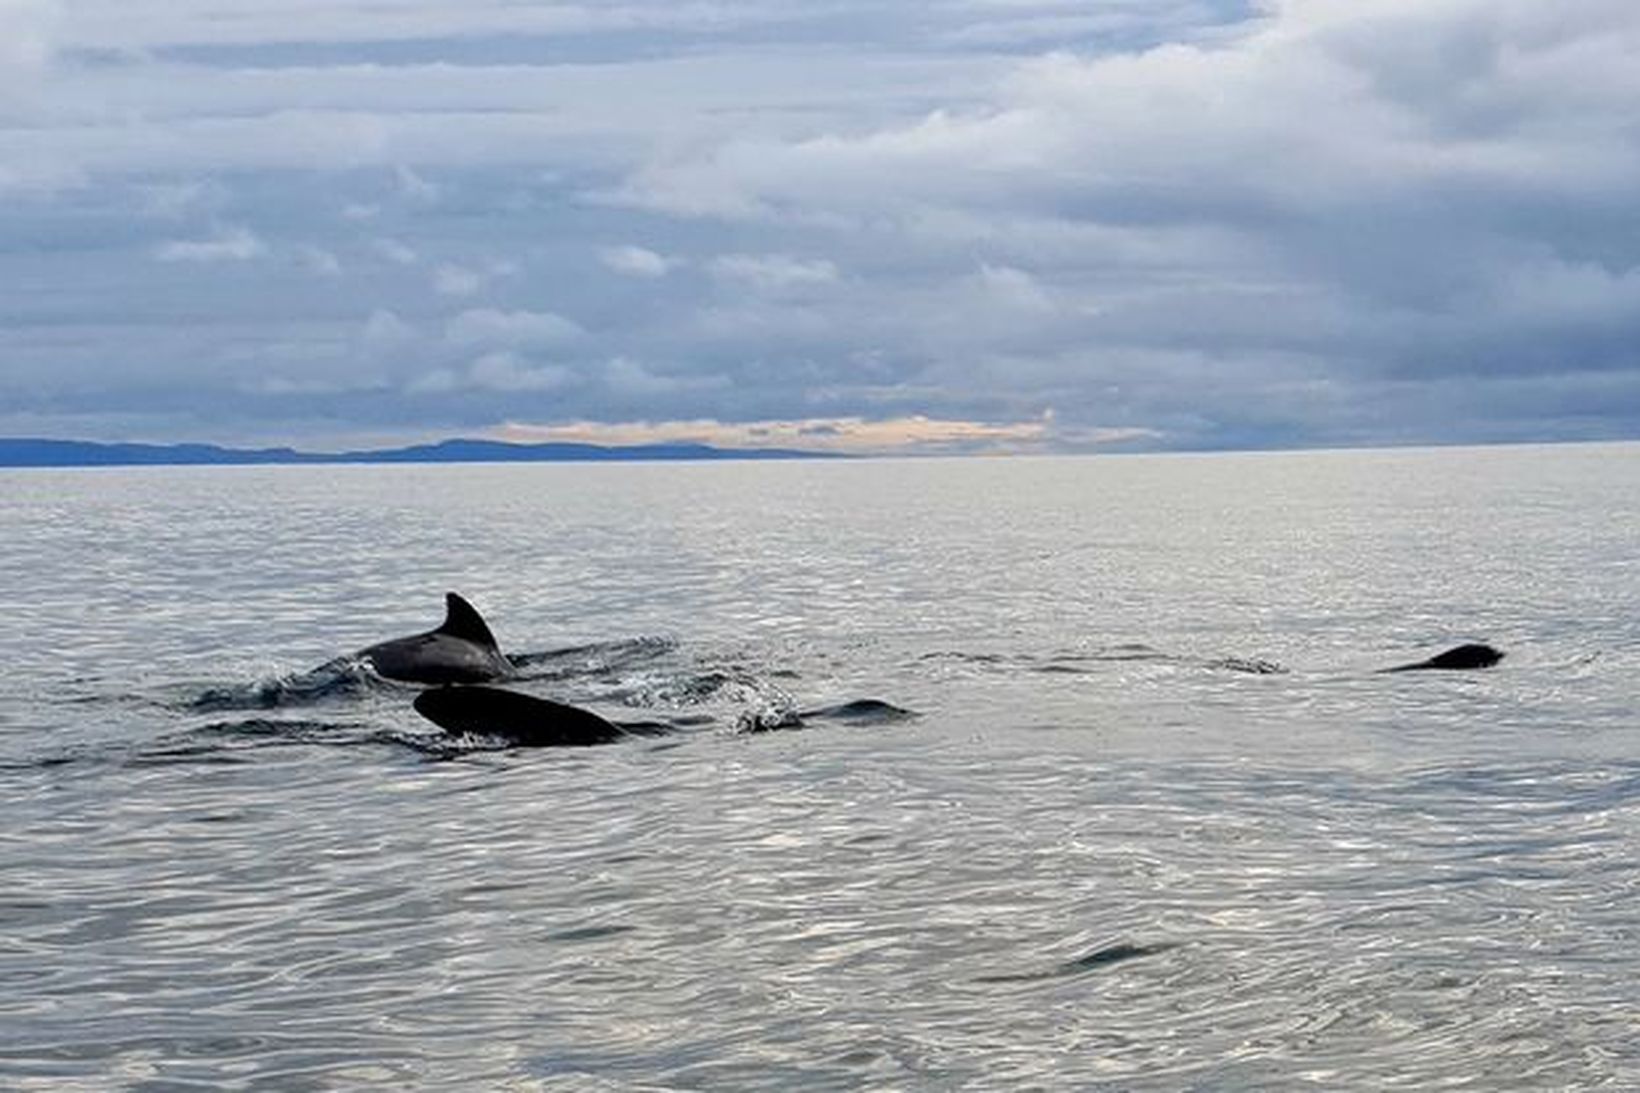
1116, 849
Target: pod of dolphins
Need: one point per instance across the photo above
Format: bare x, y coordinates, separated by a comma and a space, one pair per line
459, 660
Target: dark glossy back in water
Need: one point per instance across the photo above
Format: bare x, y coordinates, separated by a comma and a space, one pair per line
520, 718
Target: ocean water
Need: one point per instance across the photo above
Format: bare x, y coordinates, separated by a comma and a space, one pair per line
1158, 821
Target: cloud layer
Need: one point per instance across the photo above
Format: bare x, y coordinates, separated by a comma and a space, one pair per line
1019, 224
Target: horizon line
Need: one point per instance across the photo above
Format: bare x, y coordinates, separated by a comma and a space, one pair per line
68, 453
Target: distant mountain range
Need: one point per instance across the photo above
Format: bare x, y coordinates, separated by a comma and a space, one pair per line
30, 452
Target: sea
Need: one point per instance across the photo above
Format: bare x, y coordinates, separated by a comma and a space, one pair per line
980, 774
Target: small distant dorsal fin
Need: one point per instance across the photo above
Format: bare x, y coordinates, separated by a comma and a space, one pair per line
462, 620
1474, 655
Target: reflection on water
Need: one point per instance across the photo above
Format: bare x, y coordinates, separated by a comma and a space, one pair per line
1159, 823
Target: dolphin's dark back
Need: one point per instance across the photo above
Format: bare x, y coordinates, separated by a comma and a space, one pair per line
462, 620
460, 650
523, 719
1458, 658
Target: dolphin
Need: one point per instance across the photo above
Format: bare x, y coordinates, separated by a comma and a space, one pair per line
523, 719
531, 722
460, 650
861, 711
1455, 659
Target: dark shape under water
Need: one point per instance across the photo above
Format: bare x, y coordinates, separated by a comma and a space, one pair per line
523, 719
460, 650
1459, 658
532, 722
1099, 958
861, 711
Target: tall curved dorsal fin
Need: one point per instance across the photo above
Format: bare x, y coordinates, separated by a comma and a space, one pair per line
462, 620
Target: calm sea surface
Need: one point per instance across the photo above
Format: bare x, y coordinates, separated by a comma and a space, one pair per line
1158, 824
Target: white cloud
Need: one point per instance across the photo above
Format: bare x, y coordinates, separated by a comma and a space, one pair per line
505, 371
634, 261
1015, 289
395, 251
231, 245
414, 187
319, 261
1194, 130
28, 34
384, 331
502, 371
176, 200
515, 328
628, 377
773, 272
452, 280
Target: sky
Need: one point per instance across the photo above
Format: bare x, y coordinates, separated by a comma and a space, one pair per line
935, 226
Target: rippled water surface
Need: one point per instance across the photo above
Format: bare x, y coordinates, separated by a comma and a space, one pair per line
1158, 822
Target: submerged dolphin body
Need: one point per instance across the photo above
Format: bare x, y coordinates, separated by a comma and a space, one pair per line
530, 722
523, 719
460, 650
1458, 658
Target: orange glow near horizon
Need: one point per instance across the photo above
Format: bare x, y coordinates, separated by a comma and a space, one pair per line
852, 435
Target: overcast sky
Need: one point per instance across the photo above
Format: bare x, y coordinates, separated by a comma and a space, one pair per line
934, 225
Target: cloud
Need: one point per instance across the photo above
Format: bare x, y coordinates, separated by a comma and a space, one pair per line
1201, 131
313, 385
1223, 222
231, 245
179, 199
502, 371
773, 272
513, 328
319, 261
631, 378
28, 36
1442, 149
1015, 289
415, 187
116, 25
452, 280
464, 280
33, 177
384, 331
395, 251
634, 261
1012, 24
507, 372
